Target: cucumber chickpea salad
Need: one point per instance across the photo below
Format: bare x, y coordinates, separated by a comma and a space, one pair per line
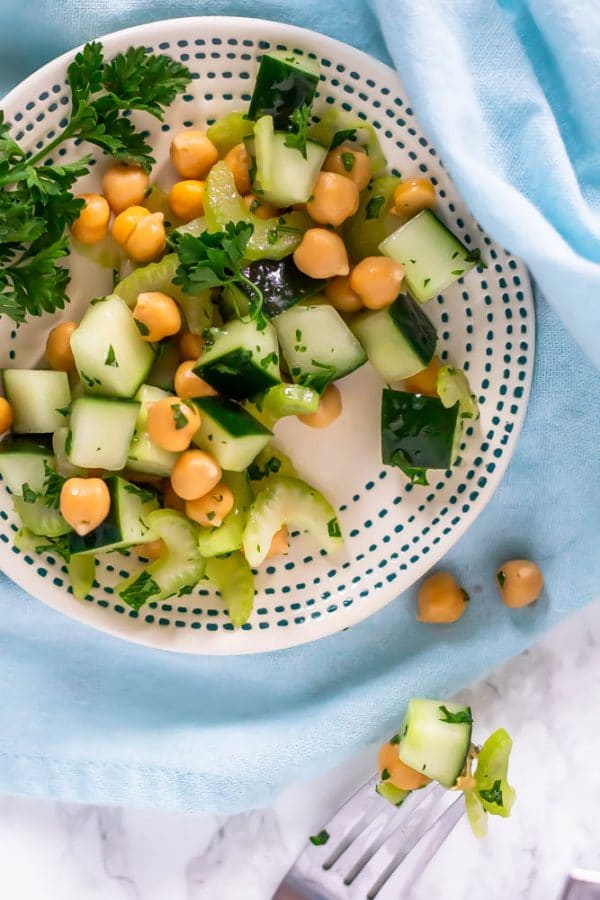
283, 258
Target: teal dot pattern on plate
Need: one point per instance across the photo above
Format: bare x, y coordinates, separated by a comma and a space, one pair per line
394, 532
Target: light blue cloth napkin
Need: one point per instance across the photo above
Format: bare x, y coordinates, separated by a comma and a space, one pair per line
509, 93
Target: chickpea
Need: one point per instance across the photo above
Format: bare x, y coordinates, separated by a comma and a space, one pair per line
211, 509
400, 775
520, 582
425, 381
194, 474
261, 208
171, 500
410, 197
126, 222
186, 199
377, 281
440, 599
172, 423
280, 543
352, 164
58, 347
148, 239
124, 186
329, 409
6, 415
192, 153
238, 162
321, 254
341, 296
334, 199
92, 223
190, 345
157, 316
151, 550
84, 503
187, 384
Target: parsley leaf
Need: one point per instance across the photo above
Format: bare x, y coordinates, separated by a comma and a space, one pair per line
416, 474
52, 487
143, 494
297, 138
341, 136
111, 359
319, 839
179, 416
29, 496
493, 794
139, 591
462, 717
373, 207
348, 160
214, 260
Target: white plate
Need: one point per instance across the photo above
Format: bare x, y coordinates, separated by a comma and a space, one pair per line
394, 532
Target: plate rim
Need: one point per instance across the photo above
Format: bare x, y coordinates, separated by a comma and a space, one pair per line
230, 644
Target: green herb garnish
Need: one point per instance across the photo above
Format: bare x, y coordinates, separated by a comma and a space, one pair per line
297, 138
142, 328
319, 839
143, 494
29, 496
333, 528
348, 160
179, 416
493, 794
395, 739
349, 134
139, 591
373, 207
111, 359
385, 775
462, 717
501, 577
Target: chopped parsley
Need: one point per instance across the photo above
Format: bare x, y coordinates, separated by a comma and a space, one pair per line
462, 717
333, 528
493, 794
139, 591
29, 496
348, 160
59, 545
373, 207
211, 515
298, 137
426, 282
143, 494
53, 484
63, 410
271, 467
395, 739
349, 134
501, 577
111, 359
268, 360
256, 204
319, 839
385, 775
142, 328
179, 416
457, 272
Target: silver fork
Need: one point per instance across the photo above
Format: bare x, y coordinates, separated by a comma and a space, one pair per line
373, 849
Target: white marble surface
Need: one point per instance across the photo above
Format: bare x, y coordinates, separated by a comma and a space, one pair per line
548, 698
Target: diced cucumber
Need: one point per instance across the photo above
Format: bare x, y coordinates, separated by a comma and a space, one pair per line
317, 345
284, 500
144, 455
418, 433
127, 523
372, 221
62, 463
271, 238
241, 359
39, 518
227, 537
229, 130
394, 795
453, 387
166, 363
283, 174
435, 739
281, 283
111, 357
432, 256
229, 433
284, 400
158, 276
284, 83
82, 571
101, 432
22, 462
399, 340
178, 569
40, 399
234, 580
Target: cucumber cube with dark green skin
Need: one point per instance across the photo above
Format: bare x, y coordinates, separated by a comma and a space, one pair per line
284, 83
282, 285
229, 433
399, 340
126, 523
243, 359
418, 432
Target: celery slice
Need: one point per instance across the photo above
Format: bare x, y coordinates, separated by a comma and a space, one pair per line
233, 578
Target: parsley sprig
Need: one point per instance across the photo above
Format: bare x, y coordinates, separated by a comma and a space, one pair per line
36, 202
216, 259
298, 137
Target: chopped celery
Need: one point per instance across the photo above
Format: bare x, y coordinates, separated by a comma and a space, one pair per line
233, 578
476, 814
391, 793
491, 776
453, 387
284, 400
105, 253
283, 501
335, 121
229, 130
228, 536
158, 276
270, 461
82, 571
157, 201
371, 223
271, 239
